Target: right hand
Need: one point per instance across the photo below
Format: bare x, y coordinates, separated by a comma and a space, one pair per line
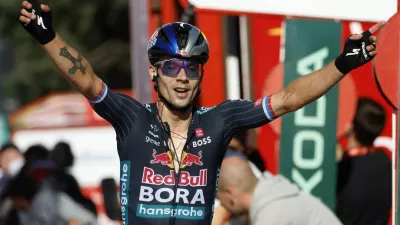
358, 50
36, 18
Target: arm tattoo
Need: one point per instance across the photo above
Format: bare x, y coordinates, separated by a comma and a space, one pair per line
77, 62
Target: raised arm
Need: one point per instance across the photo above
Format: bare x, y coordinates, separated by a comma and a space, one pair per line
305, 90
358, 50
74, 67
118, 109
241, 114
37, 20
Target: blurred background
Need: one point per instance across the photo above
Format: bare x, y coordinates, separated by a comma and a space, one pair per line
257, 47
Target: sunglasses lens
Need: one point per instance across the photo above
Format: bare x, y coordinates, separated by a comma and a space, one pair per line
193, 70
172, 67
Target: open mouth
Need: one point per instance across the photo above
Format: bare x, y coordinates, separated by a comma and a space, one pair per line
181, 90
182, 93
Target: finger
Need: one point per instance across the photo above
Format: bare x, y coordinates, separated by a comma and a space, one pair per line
355, 37
24, 19
370, 47
26, 5
45, 8
372, 39
25, 13
373, 53
377, 26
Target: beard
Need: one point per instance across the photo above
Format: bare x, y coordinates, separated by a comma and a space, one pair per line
174, 107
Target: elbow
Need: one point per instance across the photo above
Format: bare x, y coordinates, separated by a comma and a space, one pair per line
85, 88
89, 87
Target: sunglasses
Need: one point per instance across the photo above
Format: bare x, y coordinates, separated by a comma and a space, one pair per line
172, 67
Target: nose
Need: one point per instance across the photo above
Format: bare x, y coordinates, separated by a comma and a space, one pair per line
182, 76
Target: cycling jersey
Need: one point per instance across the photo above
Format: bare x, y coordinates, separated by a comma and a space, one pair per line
151, 192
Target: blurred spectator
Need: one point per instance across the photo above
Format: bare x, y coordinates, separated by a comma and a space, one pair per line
269, 199
36, 201
8, 146
239, 147
63, 157
221, 214
21, 190
364, 182
36, 152
11, 162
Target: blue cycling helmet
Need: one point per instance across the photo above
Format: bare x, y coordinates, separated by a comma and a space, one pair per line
179, 40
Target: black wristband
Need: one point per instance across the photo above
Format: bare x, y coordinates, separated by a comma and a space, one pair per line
47, 37
340, 64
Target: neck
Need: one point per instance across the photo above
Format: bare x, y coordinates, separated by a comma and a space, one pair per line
178, 121
353, 143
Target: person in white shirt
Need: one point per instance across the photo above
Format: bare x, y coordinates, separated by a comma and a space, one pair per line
268, 199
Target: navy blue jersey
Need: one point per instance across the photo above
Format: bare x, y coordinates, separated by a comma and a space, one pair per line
151, 192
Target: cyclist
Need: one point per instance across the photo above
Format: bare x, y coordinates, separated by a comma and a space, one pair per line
170, 150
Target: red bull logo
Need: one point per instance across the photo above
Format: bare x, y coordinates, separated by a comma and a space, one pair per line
185, 178
191, 159
163, 158
166, 159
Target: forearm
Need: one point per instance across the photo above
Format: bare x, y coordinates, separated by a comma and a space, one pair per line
73, 67
306, 89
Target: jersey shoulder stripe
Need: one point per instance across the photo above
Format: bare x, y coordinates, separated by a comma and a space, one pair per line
101, 95
266, 103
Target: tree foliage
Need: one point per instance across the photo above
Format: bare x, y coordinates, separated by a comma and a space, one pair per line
98, 29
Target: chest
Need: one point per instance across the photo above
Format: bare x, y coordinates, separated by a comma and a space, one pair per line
152, 146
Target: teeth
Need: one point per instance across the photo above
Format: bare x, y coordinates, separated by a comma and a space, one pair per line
180, 89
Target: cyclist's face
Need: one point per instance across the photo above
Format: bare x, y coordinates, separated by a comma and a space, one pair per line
178, 81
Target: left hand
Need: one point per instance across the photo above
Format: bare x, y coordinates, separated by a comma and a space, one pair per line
36, 19
358, 50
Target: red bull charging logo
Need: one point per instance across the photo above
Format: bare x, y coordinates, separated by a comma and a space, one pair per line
166, 159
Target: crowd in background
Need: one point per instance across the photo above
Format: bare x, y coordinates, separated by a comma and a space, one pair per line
37, 188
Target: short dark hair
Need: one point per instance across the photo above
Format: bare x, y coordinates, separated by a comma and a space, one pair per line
62, 155
7, 146
36, 152
369, 121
